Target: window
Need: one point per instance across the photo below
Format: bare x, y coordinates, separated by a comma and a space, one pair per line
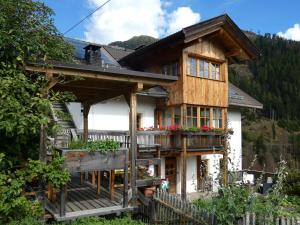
204, 117
170, 69
192, 66
204, 69
217, 118
191, 116
177, 115
215, 71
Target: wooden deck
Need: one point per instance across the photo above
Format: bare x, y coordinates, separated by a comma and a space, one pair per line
82, 201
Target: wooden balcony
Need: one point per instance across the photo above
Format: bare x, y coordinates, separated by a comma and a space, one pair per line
166, 139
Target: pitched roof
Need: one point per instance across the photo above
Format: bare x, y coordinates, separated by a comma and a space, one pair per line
237, 97
117, 52
114, 51
197, 31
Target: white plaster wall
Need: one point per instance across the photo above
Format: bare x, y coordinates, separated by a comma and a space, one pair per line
213, 169
191, 174
235, 142
114, 114
163, 168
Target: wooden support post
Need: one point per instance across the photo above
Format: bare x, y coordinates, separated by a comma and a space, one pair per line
158, 167
125, 190
112, 184
94, 177
133, 146
183, 167
98, 183
81, 178
62, 208
86, 110
226, 146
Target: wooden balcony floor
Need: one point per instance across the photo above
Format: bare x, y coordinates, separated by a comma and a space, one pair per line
82, 200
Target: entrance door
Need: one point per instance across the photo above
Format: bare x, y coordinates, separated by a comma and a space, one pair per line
171, 173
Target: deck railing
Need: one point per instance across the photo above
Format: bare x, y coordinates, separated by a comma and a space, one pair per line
168, 140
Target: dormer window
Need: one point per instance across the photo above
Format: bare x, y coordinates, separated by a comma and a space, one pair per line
203, 68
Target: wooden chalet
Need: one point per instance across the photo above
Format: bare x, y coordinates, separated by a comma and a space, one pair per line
186, 73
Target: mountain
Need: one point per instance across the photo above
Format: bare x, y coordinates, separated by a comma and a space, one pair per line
273, 78
135, 42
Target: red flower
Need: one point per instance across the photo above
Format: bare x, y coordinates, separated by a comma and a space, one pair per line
205, 128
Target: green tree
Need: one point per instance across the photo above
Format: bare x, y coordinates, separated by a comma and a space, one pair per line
27, 33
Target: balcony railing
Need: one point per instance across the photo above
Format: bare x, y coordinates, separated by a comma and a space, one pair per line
167, 140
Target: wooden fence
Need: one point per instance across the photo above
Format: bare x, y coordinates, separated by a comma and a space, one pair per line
165, 208
253, 219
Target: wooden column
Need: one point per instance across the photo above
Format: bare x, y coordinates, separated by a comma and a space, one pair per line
226, 149
98, 183
86, 110
133, 138
183, 166
133, 146
125, 188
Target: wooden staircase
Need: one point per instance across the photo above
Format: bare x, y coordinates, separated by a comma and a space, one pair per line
67, 130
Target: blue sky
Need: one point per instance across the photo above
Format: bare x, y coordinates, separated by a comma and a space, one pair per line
147, 16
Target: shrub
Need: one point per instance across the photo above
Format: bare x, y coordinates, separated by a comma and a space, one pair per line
291, 184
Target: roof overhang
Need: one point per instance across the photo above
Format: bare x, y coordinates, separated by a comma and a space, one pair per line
96, 84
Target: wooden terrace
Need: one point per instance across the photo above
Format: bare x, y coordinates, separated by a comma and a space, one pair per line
83, 200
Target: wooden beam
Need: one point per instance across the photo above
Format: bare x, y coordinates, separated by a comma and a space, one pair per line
100, 75
133, 146
183, 167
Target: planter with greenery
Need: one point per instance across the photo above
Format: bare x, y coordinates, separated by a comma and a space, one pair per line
94, 155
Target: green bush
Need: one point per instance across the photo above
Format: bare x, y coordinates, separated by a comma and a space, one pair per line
291, 185
84, 221
13, 204
99, 145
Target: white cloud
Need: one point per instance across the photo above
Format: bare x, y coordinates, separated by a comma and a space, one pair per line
292, 33
180, 18
119, 20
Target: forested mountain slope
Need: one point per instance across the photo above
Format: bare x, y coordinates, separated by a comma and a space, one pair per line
274, 79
